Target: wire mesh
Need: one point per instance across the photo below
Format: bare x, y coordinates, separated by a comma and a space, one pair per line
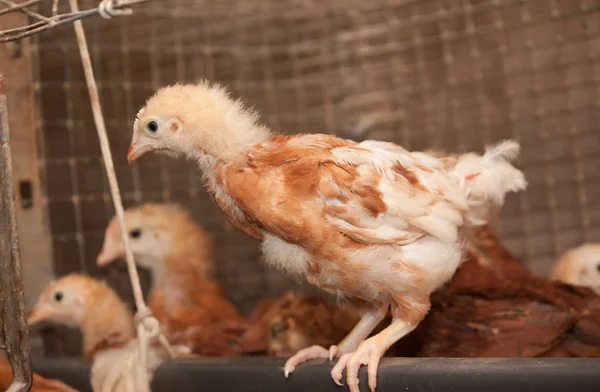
449, 74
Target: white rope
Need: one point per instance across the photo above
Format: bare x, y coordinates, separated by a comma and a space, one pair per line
107, 9
148, 327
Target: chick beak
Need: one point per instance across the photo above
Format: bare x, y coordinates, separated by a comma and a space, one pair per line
135, 151
37, 314
107, 255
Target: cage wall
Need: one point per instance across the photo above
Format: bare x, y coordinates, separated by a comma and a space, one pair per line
449, 74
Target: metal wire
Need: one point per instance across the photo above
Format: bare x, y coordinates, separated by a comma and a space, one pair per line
105, 9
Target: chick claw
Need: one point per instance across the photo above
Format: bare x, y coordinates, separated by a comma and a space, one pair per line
304, 355
368, 353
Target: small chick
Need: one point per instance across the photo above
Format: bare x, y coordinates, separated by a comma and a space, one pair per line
90, 305
579, 266
167, 240
297, 321
108, 332
366, 220
164, 238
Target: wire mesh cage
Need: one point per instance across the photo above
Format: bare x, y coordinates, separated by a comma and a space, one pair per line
447, 74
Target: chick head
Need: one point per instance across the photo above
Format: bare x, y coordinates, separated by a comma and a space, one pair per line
194, 120
579, 266
64, 300
150, 228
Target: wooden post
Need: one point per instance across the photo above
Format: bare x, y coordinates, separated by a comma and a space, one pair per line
11, 283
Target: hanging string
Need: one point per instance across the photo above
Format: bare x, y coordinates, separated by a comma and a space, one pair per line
148, 327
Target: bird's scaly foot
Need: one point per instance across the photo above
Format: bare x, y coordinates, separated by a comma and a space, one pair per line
368, 353
304, 355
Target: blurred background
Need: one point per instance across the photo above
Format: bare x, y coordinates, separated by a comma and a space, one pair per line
448, 74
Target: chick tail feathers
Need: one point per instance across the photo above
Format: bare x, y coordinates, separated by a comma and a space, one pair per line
487, 179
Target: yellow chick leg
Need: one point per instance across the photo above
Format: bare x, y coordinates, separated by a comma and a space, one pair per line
363, 328
369, 353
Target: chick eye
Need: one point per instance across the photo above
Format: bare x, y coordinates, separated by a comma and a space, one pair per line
135, 233
598, 267
152, 126
278, 327
58, 296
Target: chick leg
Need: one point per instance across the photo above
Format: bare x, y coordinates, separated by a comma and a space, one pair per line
365, 326
371, 350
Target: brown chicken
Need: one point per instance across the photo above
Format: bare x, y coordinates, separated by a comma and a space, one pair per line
283, 326
192, 309
40, 384
494, 307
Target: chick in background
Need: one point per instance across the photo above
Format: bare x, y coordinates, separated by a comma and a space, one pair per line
579, 266
185, 298
107, 326
83, 302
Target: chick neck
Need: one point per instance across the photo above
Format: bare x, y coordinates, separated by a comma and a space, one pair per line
233, 132
190, 258
187, 258
106, 322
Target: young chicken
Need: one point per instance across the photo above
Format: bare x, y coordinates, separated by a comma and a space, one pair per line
107, 325
579, 266
369, 220
296, 321
166, 239
90, 305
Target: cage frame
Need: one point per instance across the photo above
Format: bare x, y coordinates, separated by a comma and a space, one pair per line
319, 369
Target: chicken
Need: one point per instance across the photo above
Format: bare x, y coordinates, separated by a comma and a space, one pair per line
107, 325
90, 305
494, 307
40, 384
296, 321
579, 266
192, 309
367, 220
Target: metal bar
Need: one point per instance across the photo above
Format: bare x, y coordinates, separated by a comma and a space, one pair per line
11, 282
395, 374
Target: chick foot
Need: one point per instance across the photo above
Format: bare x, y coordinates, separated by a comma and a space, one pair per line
304, 355
368, 353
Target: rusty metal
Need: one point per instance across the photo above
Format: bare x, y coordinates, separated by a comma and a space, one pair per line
16, 335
